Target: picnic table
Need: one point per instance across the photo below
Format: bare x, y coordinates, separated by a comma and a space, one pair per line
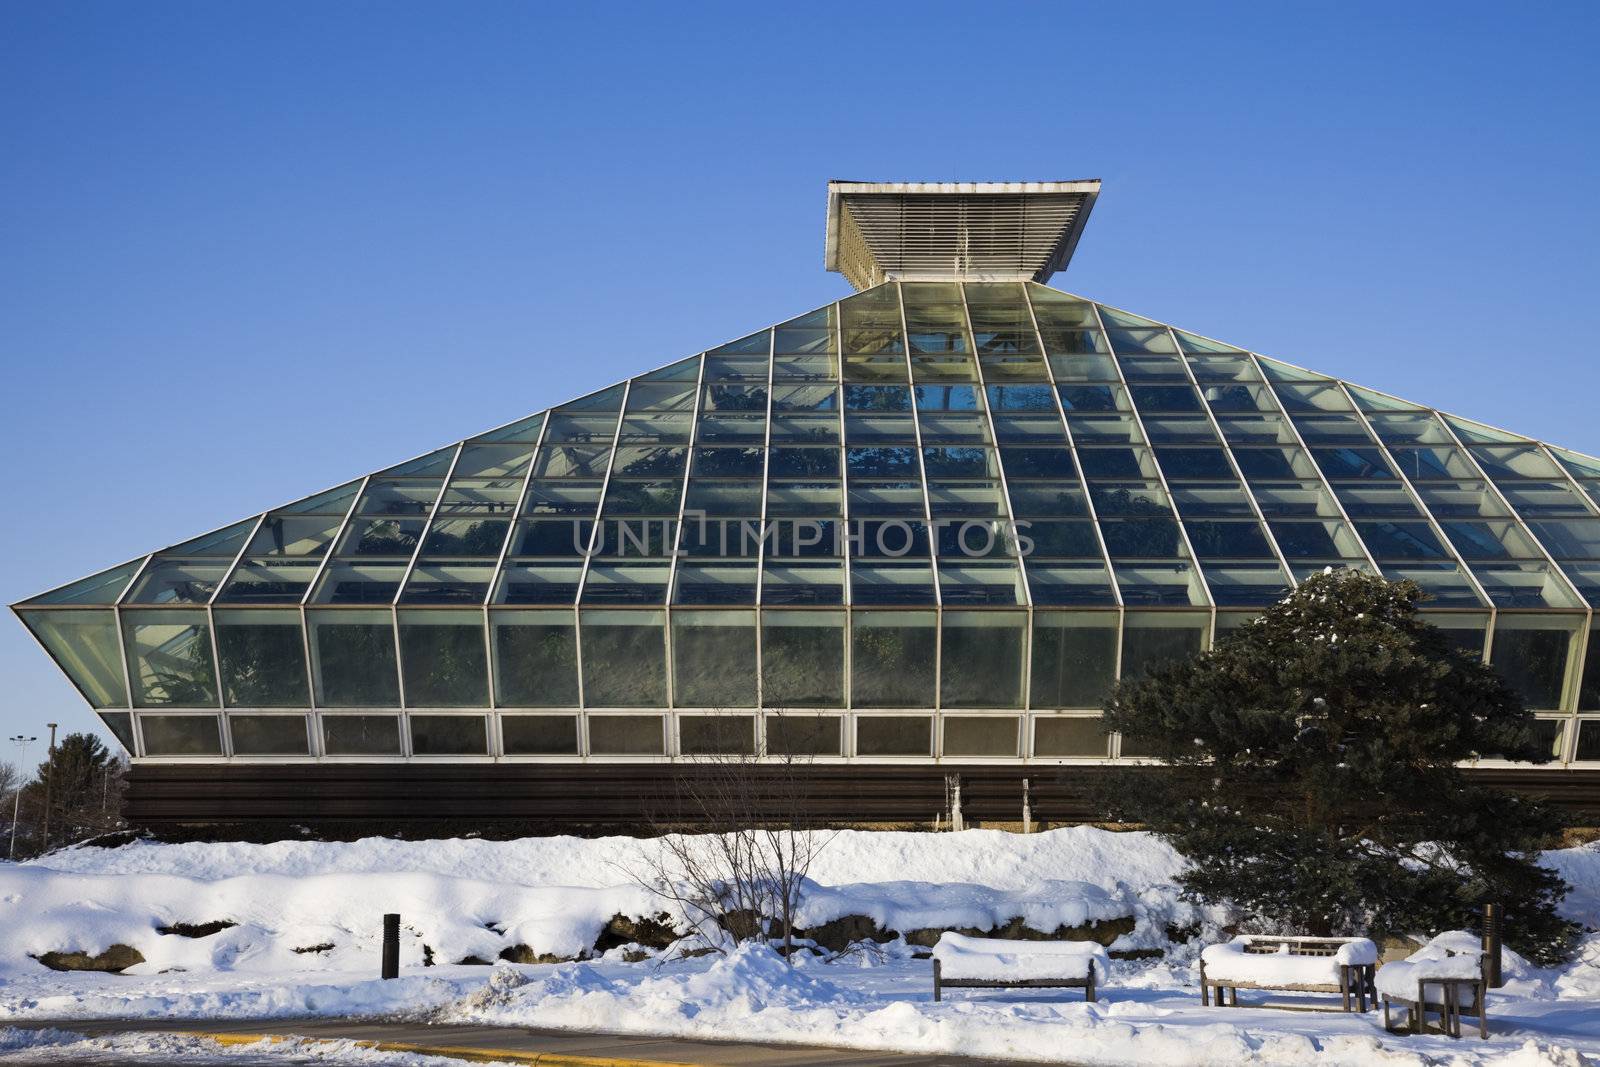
1342, 965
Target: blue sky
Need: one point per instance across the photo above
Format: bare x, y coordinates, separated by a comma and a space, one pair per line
248, 251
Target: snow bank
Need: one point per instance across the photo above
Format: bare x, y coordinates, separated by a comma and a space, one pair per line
994, 960
991, 858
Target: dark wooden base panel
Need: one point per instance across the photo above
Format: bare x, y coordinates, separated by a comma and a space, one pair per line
511, 799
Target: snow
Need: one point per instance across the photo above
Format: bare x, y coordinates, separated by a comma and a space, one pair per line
995, 960
472, 897
1232, 962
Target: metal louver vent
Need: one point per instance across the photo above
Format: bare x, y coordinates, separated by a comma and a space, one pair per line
978, 231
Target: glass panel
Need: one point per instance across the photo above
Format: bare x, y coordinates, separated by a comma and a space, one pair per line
717, 735
221, 544
535, 659
1588, 741
1464, 630
1152, 641
361, 735
449, 735
626, 583
448, 583
181, 735
805, 735
539, 735
295, 535
626, 735
714, 659
980, 735
169, 655
1069, 583
539, 583
1530, 652
892, 659
1525, 585
802, 659
102, 588
1589, 690
269, 735
1074, 659
981, 664
891, 583
1065, 736
177, 581
120, 723
84, 645
268, 581
1165, 584
263, 659
624, 659
353, 661
359, 583
894, 735
443, 658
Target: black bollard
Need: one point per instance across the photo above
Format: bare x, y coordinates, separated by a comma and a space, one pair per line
1493, 928
391, 946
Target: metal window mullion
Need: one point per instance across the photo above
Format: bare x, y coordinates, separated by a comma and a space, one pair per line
1411, 491
847, 599
916, 430
489, 657
761, 545
994, 443
427, 527
1322, 479
1588, 628
676, 532
1233, 463
237, 557
672, 560
605, 485
1172, 504
338, 534
1072, 450
1011, 519
122, 644
927, 511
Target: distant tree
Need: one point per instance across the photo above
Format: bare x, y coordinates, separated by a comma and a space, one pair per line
1311, 772
85, 786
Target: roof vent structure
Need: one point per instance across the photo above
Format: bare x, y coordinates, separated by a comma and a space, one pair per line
937, 231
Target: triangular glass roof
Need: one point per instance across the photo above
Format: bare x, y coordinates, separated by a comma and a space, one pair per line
927, 443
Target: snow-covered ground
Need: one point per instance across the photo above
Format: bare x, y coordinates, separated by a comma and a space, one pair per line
555, 895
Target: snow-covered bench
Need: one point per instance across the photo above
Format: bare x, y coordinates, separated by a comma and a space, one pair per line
995, 963
1342, 965
1446, 976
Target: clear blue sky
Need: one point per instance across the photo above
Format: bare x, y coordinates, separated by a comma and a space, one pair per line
248, 251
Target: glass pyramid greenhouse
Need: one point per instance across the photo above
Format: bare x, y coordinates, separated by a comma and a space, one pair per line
933, 520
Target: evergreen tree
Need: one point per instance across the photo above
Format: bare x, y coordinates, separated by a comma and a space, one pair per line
1311, 773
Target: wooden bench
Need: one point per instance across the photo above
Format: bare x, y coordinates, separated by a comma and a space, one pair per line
1459, 975
1343, 965
995, 963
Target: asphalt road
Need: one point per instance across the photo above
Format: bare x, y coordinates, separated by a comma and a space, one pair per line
522, 1043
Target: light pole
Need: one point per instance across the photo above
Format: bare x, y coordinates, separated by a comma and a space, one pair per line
49, 780
22, 744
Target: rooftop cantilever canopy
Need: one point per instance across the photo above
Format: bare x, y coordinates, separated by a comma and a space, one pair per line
940, 231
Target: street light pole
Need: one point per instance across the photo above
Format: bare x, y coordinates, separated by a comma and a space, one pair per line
49, 780
22, 744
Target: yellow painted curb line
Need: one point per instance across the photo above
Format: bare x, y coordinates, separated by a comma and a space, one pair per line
472, 1055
